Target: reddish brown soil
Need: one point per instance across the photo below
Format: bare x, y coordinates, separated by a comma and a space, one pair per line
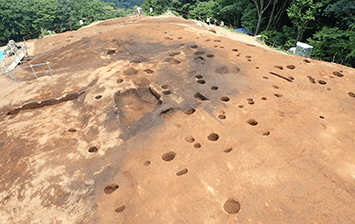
159, 120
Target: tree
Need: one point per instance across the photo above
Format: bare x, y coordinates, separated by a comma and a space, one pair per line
261, 6
89, 10
344, 12
330, 41
18, 19
159, 6
276, 20
64, 7
249, 20
45, 13
301, 12
5, 19
271, 17
126, 4
185, 5
204, 9
231, 11
286, 37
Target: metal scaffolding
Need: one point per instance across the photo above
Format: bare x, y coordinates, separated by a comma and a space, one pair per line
14, 53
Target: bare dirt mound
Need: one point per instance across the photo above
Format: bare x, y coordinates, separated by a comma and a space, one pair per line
158, 120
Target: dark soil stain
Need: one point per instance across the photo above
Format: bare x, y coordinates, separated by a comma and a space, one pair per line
201, 97
133, 104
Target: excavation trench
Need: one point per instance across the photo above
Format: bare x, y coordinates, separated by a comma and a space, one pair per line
47, 102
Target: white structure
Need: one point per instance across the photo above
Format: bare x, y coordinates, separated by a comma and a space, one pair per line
169, 13
139, 10
151, 9
14, 53
81, 22
292, 50
303, 50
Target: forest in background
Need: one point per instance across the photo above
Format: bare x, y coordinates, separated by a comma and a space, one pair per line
126, 4
18, 19
327, 25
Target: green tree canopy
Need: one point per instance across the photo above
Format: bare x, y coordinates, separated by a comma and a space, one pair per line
344, 13
301, 12
125, 4
18, 18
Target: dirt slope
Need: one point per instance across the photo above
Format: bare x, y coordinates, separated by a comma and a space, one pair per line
159, 120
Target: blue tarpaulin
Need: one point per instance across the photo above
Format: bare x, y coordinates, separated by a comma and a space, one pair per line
241, 30
1, 54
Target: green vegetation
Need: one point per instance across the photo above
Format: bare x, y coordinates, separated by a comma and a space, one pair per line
20, 18
327, 25
125, 4
45, 33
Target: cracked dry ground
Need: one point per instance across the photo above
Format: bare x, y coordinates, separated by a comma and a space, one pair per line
159, 120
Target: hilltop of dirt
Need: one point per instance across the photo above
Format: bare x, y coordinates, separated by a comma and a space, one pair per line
162, 120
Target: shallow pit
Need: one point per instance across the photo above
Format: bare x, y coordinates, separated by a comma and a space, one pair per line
120, 209
213, 137
182, 172
169, 156
252, 122
197, 145
225, 98
189, 139
231, 206
109, 189
93, 149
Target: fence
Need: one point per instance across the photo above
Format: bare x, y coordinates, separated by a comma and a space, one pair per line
10, 74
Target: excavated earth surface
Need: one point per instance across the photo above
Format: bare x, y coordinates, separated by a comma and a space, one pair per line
160, 120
